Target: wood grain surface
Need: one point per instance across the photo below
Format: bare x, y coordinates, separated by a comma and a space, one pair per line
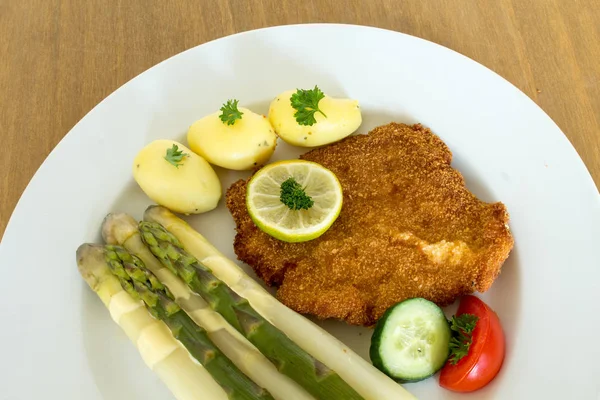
59, 58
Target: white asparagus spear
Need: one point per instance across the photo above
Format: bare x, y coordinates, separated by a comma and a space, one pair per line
367, 380
122, 229
186, 378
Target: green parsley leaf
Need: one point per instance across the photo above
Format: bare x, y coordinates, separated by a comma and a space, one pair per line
462, 336
175, 156
294, 196
230, 112
306, 103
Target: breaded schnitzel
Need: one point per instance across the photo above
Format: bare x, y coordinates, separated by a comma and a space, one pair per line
408, 228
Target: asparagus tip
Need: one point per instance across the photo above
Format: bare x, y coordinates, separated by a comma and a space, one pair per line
152, 210
118, 227
89, 256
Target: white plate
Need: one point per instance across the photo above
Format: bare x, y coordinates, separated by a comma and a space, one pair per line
58, 341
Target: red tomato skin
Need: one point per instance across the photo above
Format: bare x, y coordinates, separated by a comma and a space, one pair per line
486, 354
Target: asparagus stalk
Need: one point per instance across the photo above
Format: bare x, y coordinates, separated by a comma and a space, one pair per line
122, 229
184, 377
368, 381
143, 285
318, 379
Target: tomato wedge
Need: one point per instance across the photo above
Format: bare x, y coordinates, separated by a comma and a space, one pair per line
485, 355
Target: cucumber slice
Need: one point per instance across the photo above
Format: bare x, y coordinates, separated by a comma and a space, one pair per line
411, 340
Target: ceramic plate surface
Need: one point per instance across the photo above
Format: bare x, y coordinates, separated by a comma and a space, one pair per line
58, 341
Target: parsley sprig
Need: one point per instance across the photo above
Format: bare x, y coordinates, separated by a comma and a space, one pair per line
462, 336
175, 156
294, 196
306, 103
230, 112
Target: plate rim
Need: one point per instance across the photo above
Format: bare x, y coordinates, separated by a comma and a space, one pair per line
124, 86
291, 26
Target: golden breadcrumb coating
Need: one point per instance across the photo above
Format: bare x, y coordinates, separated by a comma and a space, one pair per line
408, 228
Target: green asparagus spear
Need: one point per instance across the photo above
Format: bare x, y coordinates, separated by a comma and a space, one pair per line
141, 284
183, 375
319, 380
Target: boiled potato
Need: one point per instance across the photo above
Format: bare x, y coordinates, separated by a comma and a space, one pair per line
247, 143
343, 118
187, 184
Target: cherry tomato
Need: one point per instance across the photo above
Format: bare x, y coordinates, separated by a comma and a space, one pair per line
486, 353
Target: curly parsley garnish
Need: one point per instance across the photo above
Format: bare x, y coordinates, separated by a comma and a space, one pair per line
230, 112
306, 103
294, 196
175, 156
462, 336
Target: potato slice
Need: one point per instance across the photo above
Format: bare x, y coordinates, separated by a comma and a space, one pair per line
343, 118
190, 187
247, 143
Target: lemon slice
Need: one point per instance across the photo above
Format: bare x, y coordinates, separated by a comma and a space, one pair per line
294, 200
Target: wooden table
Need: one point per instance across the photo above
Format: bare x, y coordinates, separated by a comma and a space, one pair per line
61, 57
